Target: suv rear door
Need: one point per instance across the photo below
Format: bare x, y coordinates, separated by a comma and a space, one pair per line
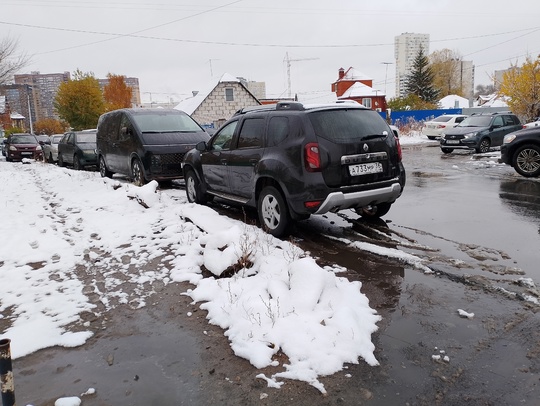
247, 154
356, 146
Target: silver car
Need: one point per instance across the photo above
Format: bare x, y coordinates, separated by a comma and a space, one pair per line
50, 148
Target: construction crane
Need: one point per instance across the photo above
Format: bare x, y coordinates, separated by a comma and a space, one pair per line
288, 61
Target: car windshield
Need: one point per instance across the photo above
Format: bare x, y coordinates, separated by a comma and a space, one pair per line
86, 137
166, 123
475, 121
348, 124
442, 119
56, 139
23, 139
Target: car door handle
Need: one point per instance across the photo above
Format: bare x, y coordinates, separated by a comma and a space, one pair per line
223, 161
253, 162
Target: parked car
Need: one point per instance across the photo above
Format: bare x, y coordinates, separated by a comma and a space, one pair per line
22, 145
78, 148
3, 146
479, 132
532, 124
50, 148
146, 144
290, 161
434, 128
521, 150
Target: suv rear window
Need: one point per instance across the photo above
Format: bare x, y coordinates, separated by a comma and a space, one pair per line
347, 125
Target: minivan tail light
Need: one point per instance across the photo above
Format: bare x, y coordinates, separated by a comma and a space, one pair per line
312, 157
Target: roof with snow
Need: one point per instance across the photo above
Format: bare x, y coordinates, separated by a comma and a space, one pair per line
453, 101
361, 90
353, 74
190, 104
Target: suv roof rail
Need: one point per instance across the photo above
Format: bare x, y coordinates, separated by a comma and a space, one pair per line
282, 105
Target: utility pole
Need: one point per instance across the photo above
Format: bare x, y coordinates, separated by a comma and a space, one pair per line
386, 75
288, 61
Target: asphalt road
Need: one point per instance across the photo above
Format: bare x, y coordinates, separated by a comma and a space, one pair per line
472, 222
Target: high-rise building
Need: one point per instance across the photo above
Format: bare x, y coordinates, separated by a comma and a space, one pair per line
406, 48
43, 89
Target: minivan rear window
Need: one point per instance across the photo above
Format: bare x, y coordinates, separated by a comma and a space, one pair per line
165, 123
348, 124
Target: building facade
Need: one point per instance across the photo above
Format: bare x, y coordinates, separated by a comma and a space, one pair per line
406, 48
18, 101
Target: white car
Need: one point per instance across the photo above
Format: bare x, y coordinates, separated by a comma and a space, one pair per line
535, 123
50, 148
433, 129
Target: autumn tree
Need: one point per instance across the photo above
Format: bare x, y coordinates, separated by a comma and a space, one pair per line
410, 102
522, 87
116, 93
11, 60
80, 101
446, 66
50, 126
420, 80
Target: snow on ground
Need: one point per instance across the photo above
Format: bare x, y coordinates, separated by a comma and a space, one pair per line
72, 235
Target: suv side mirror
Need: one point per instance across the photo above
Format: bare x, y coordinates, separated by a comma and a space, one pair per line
201, 146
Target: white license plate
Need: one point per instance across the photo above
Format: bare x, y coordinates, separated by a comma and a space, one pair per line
452, 141
364, 169
26, 153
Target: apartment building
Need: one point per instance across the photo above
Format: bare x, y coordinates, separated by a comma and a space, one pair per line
406, 48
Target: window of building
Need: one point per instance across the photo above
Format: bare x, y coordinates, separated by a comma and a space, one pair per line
366, 102
229, 94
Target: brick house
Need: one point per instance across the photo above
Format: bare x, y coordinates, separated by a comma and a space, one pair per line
354, 85
218, 102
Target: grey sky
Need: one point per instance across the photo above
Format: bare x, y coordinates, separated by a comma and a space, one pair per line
176, 46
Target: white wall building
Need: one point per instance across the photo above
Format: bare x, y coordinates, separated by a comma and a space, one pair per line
406, 47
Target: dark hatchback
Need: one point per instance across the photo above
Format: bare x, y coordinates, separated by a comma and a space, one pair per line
22, 145
521, 150
292, 160
78, 148
479, 132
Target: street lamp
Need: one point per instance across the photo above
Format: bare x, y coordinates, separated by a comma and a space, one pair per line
28, 89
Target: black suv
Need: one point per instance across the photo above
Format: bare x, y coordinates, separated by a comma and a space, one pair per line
479, 132
291, 160
521, 150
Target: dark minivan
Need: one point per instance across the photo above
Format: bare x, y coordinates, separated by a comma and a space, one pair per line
146, 144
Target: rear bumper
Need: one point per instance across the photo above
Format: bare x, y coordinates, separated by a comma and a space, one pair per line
339, 201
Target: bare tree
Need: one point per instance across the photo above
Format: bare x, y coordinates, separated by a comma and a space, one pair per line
11, 61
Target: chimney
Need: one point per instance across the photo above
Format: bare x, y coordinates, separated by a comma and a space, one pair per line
195, 92
341, 73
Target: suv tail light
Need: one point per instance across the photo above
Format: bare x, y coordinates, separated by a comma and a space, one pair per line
399, 153
312, 157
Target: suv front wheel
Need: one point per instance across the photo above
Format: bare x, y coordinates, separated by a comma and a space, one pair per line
193, 189
273, 212
527, 161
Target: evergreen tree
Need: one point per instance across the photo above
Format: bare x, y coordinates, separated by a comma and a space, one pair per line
420, 80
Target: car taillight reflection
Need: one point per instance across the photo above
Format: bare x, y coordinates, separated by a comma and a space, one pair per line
312, 157
398, 144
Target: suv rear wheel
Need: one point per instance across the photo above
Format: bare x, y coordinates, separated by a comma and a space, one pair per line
273, 212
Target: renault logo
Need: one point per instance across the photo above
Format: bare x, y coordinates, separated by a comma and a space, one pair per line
365, 148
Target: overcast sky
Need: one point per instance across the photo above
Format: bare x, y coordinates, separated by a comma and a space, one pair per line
177, 46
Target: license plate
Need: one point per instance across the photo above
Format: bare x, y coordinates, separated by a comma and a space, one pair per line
364, 169
452, 141
26, 153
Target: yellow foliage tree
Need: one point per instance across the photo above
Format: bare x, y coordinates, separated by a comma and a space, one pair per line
80, 101
522, 87
446, 66
116, 93
50, 126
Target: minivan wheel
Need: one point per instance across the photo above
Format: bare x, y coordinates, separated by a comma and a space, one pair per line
61, 161
527, 161
375, 211
273, 212
103, 171
137, 173
484, 145
76, 163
